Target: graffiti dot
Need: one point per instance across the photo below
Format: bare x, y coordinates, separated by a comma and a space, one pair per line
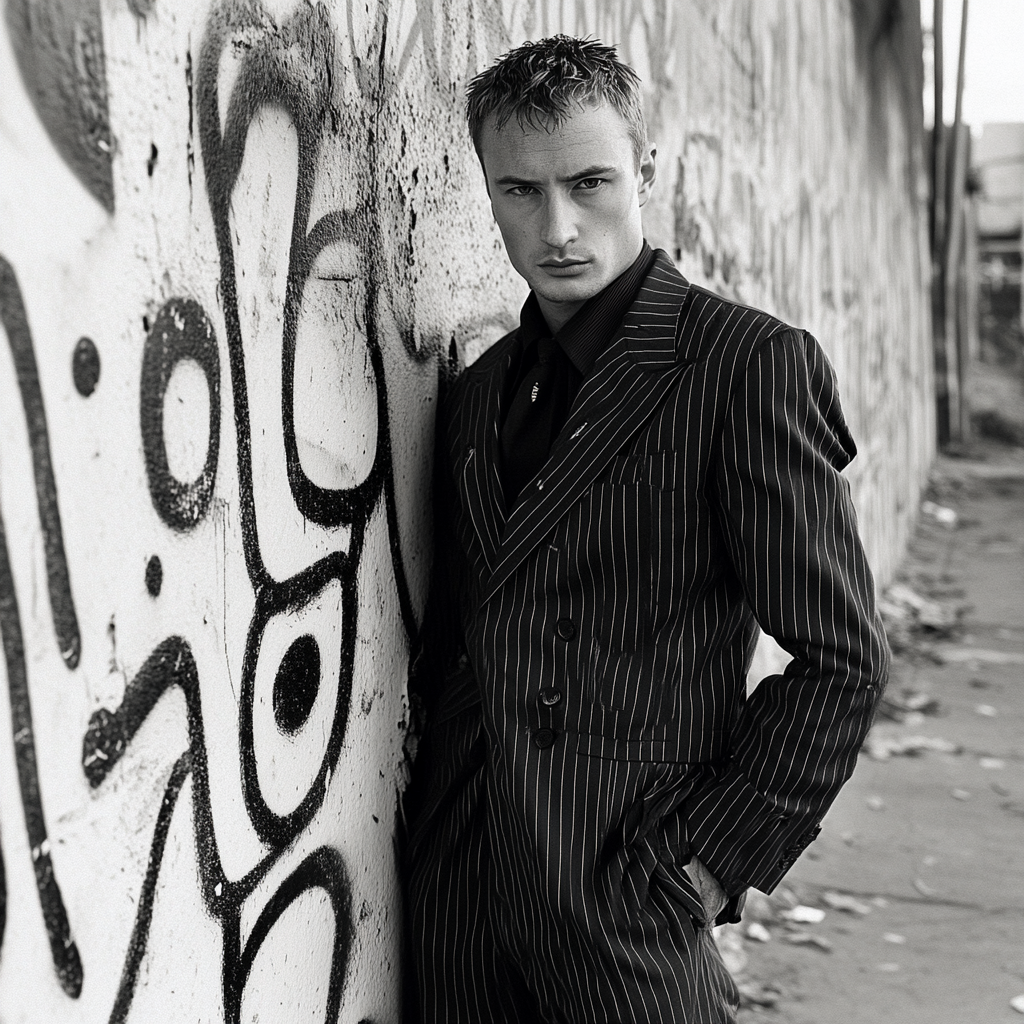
297, 684
85, 367
154, 576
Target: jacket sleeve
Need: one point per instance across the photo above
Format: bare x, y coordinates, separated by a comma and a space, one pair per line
791, 532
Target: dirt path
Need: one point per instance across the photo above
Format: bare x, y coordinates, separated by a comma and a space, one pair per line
929, 846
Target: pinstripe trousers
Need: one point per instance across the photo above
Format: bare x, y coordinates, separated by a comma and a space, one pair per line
608, 934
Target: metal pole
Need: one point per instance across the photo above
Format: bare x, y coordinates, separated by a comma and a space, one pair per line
955, 222
938, 233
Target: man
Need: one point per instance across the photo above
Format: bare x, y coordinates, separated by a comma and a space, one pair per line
629, 484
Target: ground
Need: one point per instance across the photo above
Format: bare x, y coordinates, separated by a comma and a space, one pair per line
919, 868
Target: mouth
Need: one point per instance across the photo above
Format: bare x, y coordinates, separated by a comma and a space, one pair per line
565, 267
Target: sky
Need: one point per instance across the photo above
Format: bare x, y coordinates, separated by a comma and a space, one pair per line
994, 62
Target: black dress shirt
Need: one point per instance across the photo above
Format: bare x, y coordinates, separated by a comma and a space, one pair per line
580, 341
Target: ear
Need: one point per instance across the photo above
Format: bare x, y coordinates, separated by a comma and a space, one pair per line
646, 174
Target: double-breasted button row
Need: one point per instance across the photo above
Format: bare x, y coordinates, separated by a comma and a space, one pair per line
550, 696
565, 628
543, 738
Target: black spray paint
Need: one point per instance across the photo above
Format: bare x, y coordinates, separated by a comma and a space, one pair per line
64, 952
85, 367
154, 576
296, 684
181, 330
289, 67
269, 75
58, 45
109, 735
62, 607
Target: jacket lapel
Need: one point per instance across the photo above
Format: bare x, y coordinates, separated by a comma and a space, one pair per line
476, 459
627, 384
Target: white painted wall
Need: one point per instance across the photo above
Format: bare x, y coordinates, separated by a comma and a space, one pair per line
151, 156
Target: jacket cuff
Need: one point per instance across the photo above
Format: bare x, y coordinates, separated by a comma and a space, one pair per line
743, 838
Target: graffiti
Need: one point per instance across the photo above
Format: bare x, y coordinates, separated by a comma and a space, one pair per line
108, 737
180, 331
59, 48
299, 653
85, 367
66, 960
293, 651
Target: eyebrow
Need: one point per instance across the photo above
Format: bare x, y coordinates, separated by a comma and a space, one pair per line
588, 172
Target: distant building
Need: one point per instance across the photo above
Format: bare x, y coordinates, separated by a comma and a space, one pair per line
998, 164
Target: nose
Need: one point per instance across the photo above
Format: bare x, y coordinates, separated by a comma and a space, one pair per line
559, 227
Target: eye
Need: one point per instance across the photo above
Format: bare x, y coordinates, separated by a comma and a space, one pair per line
521, 190
589, 184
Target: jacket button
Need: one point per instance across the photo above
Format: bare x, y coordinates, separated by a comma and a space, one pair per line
550, 696
544, 738
565, 629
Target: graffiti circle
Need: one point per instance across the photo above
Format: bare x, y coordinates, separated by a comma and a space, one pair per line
181, 331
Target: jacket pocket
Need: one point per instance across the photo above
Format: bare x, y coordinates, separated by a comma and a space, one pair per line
640, 683
655, 469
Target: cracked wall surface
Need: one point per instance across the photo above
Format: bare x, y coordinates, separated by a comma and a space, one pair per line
240, 243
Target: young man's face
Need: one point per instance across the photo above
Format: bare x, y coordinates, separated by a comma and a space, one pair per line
567, 203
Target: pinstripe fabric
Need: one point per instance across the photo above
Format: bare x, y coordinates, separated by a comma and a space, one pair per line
597, 731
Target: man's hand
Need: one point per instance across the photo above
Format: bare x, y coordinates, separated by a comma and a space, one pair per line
712, 895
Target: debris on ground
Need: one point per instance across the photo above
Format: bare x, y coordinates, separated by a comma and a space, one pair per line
849, 904
908, 707
758, 933
902, 603
804, 915
754, 993
880, 746
943, 515
809, 939
1017, 1003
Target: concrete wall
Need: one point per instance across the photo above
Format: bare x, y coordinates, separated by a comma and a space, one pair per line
238, 240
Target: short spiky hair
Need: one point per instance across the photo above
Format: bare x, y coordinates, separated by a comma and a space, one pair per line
543, 83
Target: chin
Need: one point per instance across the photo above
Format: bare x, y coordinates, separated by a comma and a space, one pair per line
570, 290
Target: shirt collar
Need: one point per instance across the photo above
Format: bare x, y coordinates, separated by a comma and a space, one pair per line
594, 324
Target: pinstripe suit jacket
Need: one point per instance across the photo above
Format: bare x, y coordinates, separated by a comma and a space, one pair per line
609, 618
